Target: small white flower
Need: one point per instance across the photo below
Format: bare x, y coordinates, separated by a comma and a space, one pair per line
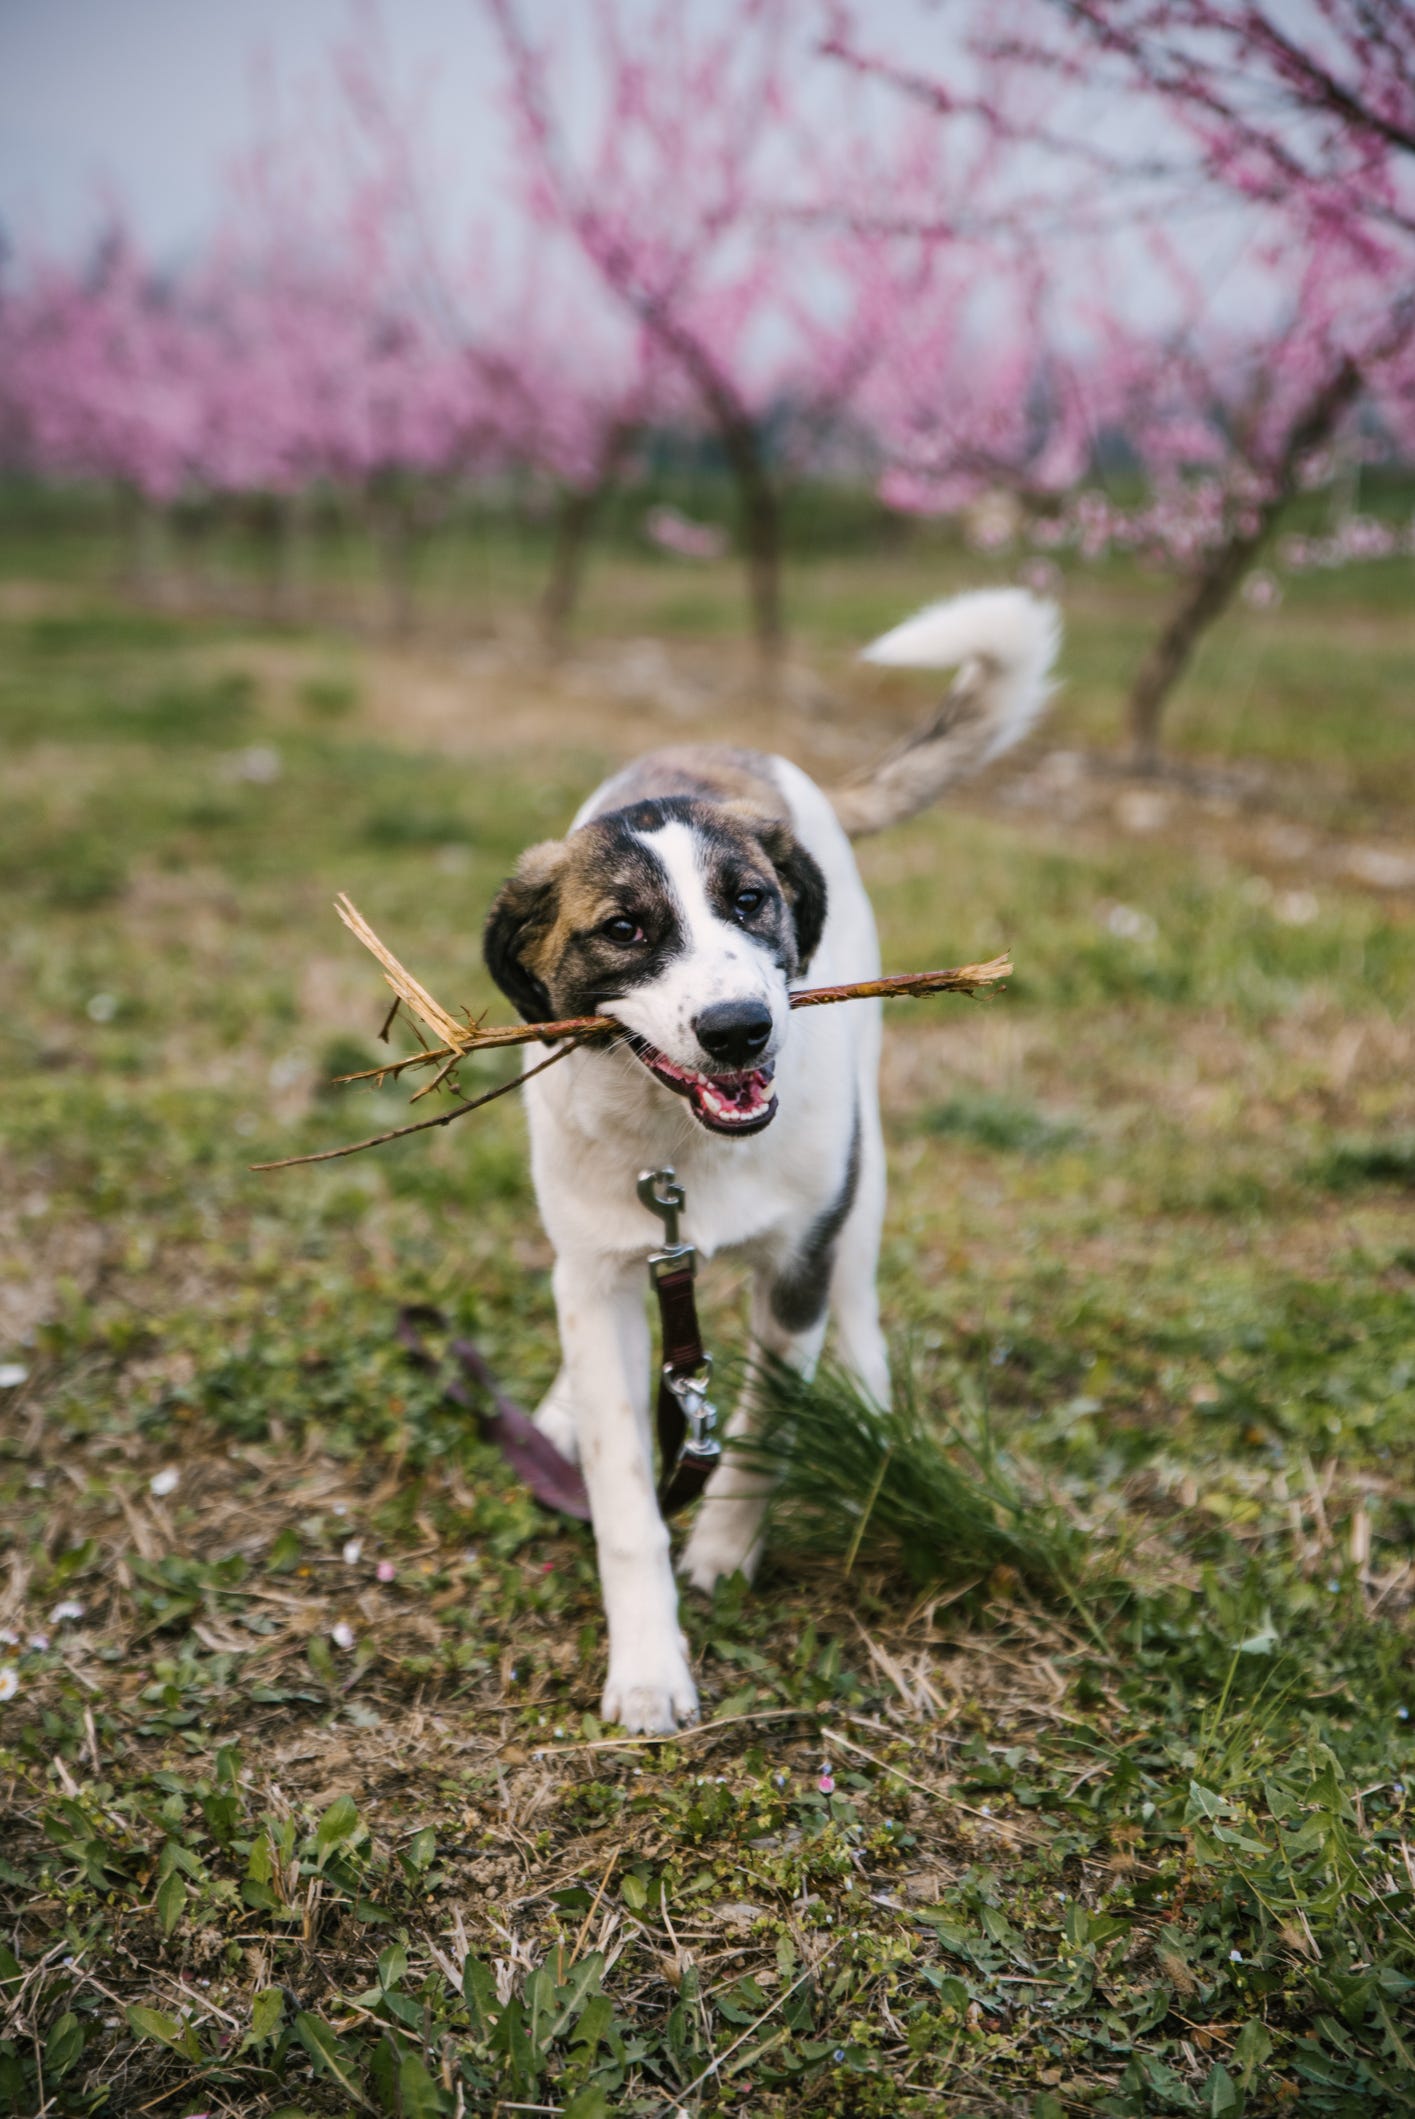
102, 1008
1260, 591
69, 1608
1296, 908
353, 1547
164, 1482
260, 765
38, 1642
12, 1375
1128, 924
342, 1634
9, 1682
1235, 1957
8, 1637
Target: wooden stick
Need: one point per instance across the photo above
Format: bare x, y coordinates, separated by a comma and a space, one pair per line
904, 985
908, 985
444, 1118
569, 1034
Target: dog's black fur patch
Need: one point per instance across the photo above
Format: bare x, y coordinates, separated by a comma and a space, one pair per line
799, 1294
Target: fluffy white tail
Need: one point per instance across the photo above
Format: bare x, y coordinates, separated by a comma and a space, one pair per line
1002, 643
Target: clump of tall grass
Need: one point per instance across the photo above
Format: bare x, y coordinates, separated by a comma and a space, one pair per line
904, 1487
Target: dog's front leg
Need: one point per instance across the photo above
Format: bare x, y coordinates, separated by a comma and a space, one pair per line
604, 1339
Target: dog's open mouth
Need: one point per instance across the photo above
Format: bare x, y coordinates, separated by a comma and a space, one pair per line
724, 1103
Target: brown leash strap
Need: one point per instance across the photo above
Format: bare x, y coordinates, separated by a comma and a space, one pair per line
688, 1450
552, 1479
687, 1447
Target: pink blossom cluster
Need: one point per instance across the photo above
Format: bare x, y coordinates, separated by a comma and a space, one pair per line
1355, 537
672, 531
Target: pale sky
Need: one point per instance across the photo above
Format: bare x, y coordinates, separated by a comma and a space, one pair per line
149, 100
145, 103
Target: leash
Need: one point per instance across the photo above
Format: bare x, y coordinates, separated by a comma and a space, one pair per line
687, 1447
684, 1414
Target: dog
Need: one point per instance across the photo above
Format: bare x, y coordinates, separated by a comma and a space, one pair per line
694, 890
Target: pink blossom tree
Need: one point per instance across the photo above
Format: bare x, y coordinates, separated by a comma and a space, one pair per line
562, 380
574, 382
671, 205
1231, 428
1305, 137
99, 378
1309, 109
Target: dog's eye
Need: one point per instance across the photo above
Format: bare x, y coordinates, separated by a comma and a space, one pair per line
749, 900
622, 929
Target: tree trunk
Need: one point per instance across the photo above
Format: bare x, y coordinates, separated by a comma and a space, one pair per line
137, 542
760, 517
574, 520
283, 581
1205, 599
195, 527
392, 526
1211, 591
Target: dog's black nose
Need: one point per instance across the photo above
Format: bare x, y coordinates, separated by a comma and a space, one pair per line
734, 1032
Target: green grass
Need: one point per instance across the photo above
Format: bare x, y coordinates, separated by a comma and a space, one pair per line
1106, 1637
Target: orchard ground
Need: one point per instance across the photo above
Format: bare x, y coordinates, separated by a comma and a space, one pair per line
305, 1804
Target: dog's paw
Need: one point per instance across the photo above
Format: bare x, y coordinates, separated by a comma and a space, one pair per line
650, 1703
721, 1545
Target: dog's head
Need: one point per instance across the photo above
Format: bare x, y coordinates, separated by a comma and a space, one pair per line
685, 920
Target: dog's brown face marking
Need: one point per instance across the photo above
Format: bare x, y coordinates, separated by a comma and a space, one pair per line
586, 920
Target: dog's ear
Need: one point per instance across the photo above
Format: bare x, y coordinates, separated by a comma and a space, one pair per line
522, 915
800, 878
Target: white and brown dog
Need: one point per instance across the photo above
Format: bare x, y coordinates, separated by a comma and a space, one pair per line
695, 888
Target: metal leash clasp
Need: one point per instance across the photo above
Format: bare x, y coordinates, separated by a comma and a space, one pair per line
699, 1412
662, 1194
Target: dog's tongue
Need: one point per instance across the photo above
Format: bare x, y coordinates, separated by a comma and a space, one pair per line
735, 1099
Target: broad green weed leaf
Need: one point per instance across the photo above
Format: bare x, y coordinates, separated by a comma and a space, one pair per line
338, 1823
1221, 2093
155, 2023
63, 2045
267, 2010
479, 1993
581, 1981
284, 1553
587, 2103
1250, 2049
171, 1900
326, 2051
418, 2095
